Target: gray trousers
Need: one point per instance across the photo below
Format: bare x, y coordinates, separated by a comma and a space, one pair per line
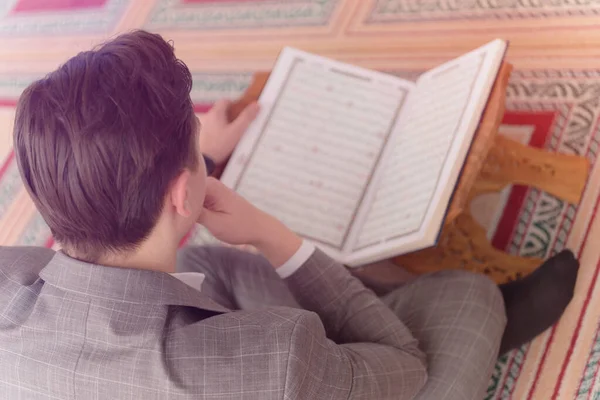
458, 317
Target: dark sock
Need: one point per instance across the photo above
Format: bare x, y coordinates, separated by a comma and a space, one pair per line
536, 302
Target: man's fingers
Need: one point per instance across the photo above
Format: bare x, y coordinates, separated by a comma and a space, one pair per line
214, 189
212, 199
217, 195
241, 123
207, 218
221, 106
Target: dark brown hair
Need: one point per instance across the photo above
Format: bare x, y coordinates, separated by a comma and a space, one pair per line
99, 141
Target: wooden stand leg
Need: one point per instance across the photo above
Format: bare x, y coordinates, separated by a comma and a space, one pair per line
464, 245
510, 162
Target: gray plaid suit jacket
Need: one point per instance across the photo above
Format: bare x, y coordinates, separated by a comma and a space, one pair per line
72, 330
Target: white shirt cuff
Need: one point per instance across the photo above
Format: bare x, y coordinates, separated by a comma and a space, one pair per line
297, 260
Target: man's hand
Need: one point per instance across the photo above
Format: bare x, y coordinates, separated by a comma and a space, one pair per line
218, 136
232, 219
229, 217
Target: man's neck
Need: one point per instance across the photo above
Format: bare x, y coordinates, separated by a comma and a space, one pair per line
153, 255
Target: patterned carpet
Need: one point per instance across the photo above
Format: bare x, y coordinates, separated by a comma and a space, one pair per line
553, 102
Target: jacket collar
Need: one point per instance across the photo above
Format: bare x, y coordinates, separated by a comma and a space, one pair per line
123, 284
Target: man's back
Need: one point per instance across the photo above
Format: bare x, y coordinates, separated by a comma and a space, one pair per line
97, 332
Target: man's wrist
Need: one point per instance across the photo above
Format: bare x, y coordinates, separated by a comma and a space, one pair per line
299, 258
276, 241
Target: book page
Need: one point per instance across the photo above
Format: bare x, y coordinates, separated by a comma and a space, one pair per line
428, 144
308, 158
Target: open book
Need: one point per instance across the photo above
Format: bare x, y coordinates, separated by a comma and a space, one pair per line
362, 163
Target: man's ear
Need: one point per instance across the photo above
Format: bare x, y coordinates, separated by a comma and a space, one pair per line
179, 194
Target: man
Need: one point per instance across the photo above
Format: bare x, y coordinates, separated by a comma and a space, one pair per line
109, 149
